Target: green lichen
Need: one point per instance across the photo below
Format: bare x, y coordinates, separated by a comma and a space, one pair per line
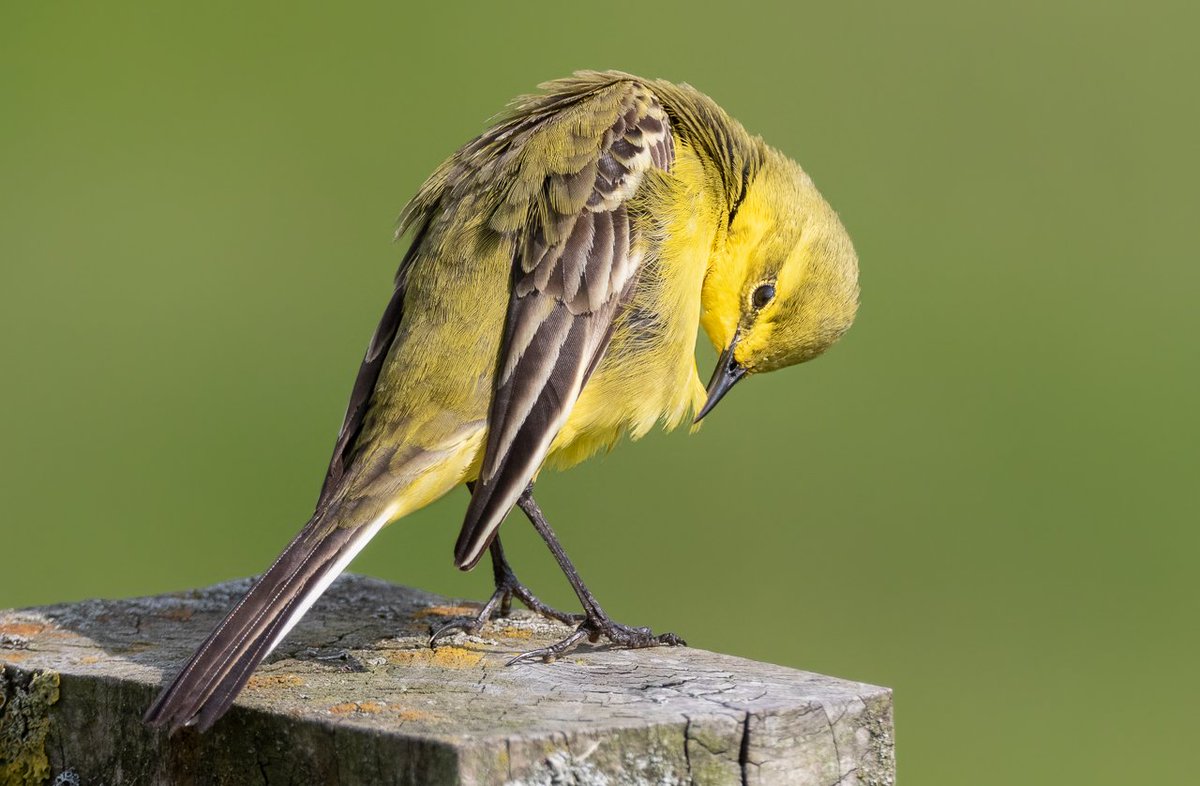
25, 700
878, 766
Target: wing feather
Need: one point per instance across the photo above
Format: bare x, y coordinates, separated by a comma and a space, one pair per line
573, 268
368, 374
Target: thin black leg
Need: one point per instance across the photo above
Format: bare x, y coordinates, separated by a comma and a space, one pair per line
508, 586
595, 623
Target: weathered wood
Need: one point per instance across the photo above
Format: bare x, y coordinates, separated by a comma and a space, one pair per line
355, 695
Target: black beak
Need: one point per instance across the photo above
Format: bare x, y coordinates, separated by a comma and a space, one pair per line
725, 376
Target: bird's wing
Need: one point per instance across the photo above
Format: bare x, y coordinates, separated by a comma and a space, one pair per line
368, 373
576, 256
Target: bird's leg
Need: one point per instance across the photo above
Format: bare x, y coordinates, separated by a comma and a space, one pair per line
508, 586
595, 622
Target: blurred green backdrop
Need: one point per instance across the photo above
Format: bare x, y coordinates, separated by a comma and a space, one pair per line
982, 497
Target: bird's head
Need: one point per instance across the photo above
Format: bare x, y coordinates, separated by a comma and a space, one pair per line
783, 286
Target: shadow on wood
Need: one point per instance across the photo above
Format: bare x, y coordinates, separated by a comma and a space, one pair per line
354, 695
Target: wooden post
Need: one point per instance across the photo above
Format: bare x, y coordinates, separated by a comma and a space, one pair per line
356, 696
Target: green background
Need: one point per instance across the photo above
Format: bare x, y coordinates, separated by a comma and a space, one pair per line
983, 497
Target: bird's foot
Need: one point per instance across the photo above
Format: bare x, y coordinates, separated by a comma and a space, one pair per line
593, 628
500, 605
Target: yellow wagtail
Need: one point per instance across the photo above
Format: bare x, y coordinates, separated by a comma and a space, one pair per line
548, 304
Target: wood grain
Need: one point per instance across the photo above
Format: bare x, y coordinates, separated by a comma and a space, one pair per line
355, 695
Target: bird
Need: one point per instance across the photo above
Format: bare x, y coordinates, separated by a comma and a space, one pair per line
559, 270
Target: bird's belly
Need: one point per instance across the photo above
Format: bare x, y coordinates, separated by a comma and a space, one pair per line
621, 400
648, 374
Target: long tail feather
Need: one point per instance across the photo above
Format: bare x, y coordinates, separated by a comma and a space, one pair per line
219, 669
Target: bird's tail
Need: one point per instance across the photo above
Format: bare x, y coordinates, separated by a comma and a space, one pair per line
215, 674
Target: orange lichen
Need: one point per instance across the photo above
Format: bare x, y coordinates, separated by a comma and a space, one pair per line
447, 611
25, 629
54, 633
413, 715
180, 614
456, 657
274, 681
445, 656
365, 707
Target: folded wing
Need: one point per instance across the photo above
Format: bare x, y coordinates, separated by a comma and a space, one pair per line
575, 260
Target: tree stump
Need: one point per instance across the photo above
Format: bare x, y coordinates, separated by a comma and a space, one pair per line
356, 696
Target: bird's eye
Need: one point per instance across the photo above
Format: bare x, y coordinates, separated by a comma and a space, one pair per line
763, 295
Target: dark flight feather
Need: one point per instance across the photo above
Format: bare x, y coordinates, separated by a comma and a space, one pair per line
572, 272
368, 374
208, 683
211, 679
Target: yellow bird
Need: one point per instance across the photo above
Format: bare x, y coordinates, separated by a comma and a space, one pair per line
560, 266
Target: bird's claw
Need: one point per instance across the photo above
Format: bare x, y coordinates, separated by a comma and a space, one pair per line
450, 628
593, 629
500, 605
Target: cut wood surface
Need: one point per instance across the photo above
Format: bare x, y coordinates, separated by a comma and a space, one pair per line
356, 696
